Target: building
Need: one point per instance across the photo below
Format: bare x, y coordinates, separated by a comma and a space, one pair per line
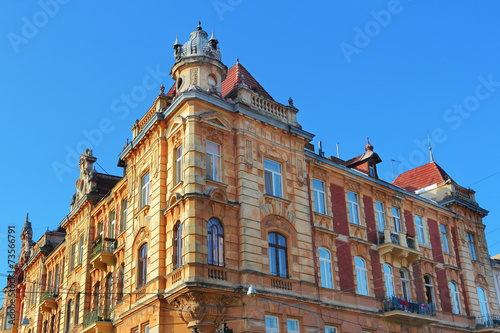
225, 211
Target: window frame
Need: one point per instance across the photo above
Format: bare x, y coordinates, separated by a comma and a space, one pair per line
278, 255
215, 161
405, 284
215, 249
295, 321
380, 214
109, 291
361, 274
354, 208
421, 235
145, 188
82, 248
67, 328
455, 298
396, 219
331, 329
77, 310
272, 329
120, 283
177, 242
429, 289
178, 165
389, 281
445, 242
73, 256
112, 224
123, 217
326, 268
142, 267
483, 304
319, 195
273, 176
472, 247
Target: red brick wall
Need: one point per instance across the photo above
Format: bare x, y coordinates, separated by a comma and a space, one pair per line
340, 223
371, 225
437, 251
444, 290
345, 260
378, 282
459, 264
418, 281
410, 226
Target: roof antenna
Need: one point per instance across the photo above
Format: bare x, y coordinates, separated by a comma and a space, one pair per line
430, 148
320, 149
338, 151
392, 167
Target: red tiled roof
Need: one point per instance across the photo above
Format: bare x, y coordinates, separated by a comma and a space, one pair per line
423, 176
233, 75
171, 92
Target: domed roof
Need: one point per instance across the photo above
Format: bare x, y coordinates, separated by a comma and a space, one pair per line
198, 45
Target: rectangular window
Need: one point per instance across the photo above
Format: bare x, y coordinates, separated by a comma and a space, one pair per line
330, 329
82, 246
352, 198
419, 222
100, 229
112, 224
145, 190
272, 171
292, 326
272, 324
444, 239
213, 159
73, 256
472, 247
319, 196
380, 210
178, 165
396, 219
146, 329
123, 219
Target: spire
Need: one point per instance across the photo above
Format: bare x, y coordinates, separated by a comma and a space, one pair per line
177, 41
430, 148
213, 36
368, 146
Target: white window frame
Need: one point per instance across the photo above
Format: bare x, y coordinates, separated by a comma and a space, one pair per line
272, 329
275, 177
353, 207
123, 217
361, 276
429, 286
330, 329
292, 321
326, 269
215, 161
405, 284
73, 256
145, 190
389, 281
483, 302
112, 224
178, 165
396, 218
420, 229
471, 240
455, 298
443, 230
319, 196
82, 246
380, 212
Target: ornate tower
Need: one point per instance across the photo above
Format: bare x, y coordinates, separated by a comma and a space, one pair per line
198, 63
26, 240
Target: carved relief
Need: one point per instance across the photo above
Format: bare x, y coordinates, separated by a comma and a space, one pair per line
480, 280
194, 76
276, 222
319, 174
419, 211
214, 134
177, 139
397, 202
355, 187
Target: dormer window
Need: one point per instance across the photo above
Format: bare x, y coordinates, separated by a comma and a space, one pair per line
371, 169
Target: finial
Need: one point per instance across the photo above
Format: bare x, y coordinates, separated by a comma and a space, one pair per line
237, 60
199, 26
430, 148
368, 146
290, 102
162, 89
176, 41
213, 35
27, 217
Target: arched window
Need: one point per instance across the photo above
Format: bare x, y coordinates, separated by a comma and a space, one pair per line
77, 308
109, 291
121, 283
215, 243
143, 265
278, 262
405, 283
361, 275
68, 316
429, 289
455, 297
389, 281
325, 263
177, 245
483, 302
52, 324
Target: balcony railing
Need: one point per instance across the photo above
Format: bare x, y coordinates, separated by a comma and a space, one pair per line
407, 305
48, 294
107, 245
487, 322
98, 314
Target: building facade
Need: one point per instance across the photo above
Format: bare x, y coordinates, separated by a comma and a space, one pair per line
225, 212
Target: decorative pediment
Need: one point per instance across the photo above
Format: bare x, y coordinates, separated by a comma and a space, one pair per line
215, 119
174, 126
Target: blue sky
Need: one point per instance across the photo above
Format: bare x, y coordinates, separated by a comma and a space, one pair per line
393, 71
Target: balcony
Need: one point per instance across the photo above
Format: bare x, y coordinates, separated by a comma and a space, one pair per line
48, 300
488, 324
103, 253
406, 311
399, 246
97, 320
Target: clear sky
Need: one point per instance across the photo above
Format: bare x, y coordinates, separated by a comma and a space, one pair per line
78, 73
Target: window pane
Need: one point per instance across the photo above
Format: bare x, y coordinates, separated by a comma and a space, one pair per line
277, 185
292, 325
272, 261
281, 240
318, 185
269, 182
272, 238
271, 165
271, 322
210, 167
282, 263
216, 167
